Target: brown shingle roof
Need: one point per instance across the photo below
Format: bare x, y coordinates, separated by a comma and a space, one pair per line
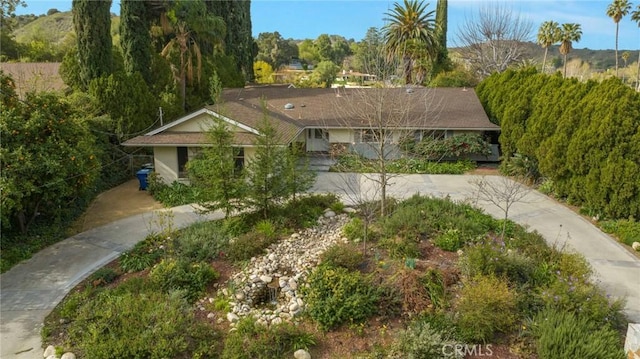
427, 108
417, 108
186, 138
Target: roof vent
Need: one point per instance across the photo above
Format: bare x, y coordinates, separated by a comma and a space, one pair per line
288, 106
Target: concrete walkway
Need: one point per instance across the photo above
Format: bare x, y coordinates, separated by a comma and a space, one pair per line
29, 291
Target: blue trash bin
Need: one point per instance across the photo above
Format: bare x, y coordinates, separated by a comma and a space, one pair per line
142, 177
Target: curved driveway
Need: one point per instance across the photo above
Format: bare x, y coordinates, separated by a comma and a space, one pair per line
30, 290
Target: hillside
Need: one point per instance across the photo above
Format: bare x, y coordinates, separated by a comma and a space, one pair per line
53, 28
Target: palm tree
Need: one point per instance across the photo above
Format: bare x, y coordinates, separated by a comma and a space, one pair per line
570, 32
187, 24
635, 16
548, 34
617, 10
410, 28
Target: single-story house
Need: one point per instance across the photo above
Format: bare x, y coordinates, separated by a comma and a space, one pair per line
320, 120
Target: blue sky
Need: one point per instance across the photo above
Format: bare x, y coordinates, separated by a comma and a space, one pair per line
302, 19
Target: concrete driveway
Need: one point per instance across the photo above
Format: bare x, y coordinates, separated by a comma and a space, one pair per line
29, 291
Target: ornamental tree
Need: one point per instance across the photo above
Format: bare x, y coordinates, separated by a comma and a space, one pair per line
48, 159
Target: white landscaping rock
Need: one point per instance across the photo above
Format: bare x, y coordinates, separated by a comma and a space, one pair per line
301, 354
635, 246
632, 341
68, 355
329, 214
232, 318
49, 351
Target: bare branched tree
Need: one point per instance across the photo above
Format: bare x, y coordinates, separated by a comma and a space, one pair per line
502, 192
381, 119
494, 39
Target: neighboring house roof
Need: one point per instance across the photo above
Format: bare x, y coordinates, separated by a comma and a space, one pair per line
291, 110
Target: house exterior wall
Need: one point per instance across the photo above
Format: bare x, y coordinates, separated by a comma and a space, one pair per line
165, 160
337, 135
198, 124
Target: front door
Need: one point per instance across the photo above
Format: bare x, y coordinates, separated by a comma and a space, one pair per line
317, 140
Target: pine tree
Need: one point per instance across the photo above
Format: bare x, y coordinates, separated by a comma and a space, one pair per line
238, 40
92, 23
135, 38
441, 62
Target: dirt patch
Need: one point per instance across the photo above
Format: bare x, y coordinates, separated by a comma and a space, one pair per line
117, 203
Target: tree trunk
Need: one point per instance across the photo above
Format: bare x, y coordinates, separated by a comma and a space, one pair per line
544, 59
565, 66
617, 28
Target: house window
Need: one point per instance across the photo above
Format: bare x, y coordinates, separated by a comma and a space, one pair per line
318, 134
183, 158
239, 158
430, 134
372, 136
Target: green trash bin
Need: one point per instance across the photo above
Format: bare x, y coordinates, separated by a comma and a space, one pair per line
143, 175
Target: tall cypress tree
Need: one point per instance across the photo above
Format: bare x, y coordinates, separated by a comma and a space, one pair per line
238, 40
135, 38
92, 23
441, 62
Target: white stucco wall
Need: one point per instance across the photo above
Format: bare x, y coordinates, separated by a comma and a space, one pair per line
165, 160
340, 135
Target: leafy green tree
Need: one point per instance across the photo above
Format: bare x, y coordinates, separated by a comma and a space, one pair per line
339, 49
410, 33
548, 34
262, 72
92, 23
266, 170
370, 55
127, 100
616, 11
215, 174
323, 46
308, 52
325, 73
568, 34
275, 50
47, 158
135, 38
299, 177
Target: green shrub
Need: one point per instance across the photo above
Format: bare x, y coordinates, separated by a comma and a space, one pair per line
150, 325
236, 226
253, 341
487, 306
104, 275
436, 288
342, 255
144, 254
190, 277
247, 245
493, 258
421, 341
562, 335
450, 240
581, 297
336, 295
267, 229
399, 247
547, 187
202, 241
176, 194
354, 229
627, 230
337, 207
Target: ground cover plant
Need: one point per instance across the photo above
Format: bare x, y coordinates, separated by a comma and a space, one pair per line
436, 274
